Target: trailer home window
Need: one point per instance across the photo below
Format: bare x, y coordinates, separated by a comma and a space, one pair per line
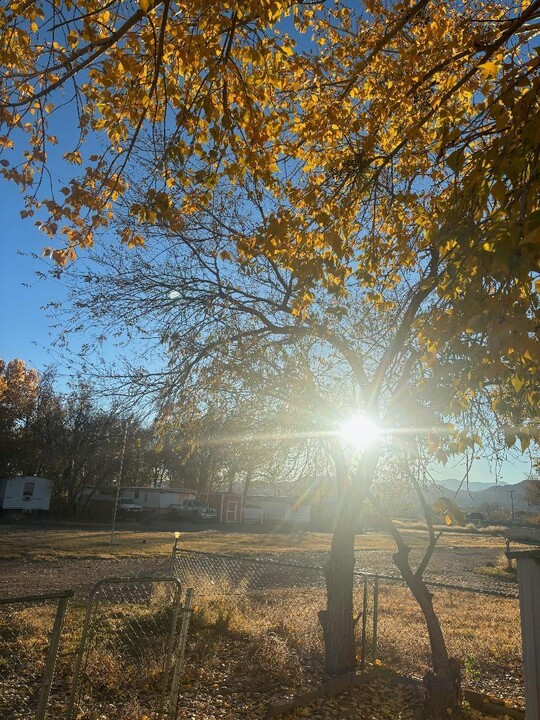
28, 489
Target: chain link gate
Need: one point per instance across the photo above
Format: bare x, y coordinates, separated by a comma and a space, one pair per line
131, 650
30, 630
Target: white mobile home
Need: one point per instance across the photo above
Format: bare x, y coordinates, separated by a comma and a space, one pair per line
157, 498
278, 510
29, 494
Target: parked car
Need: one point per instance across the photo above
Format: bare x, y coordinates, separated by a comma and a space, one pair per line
128, 509
195, 510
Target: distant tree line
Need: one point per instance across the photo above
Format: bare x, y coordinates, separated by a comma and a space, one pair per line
75, 440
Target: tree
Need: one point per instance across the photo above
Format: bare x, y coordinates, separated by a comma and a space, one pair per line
532, 488
385, 179
66, 437
221, 317
215, 440
19, 392
443, 683
364, 103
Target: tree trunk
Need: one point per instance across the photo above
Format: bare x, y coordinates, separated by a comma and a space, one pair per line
443, 683
337, 620
443, 692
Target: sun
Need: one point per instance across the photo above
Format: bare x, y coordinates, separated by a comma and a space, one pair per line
359, 432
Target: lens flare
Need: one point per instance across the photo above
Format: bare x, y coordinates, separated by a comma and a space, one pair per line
359, 432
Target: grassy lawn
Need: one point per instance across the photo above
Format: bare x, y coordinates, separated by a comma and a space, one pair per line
26, 543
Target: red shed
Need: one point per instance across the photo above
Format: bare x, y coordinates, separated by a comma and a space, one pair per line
228, 506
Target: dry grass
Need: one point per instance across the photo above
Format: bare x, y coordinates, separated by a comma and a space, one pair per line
502, 569
23, 543
38, 544
482, 631
263, 638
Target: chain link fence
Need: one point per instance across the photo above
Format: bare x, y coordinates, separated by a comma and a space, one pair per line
120, 653
264, 595
131, 650
481, 628
30, 632
269, 596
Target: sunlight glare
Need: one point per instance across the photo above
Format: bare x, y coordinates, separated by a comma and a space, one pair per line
359, 432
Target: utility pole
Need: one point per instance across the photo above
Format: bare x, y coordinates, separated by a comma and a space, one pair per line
511, 492
119, 484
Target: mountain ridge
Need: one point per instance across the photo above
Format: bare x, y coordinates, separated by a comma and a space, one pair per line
500, 493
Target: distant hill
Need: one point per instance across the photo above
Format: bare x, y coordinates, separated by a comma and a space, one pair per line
455, 483
478, 494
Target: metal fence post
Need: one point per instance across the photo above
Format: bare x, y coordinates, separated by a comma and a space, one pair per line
182, 638
173, 554
364, 626
375, 617
80, 651
52, 653
170, 650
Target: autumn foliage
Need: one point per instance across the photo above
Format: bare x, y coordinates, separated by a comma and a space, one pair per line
19, 388
390, 140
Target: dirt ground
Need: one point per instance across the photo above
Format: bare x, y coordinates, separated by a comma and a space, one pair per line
41, 558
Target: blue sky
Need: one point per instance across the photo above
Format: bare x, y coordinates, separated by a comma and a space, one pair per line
24, 330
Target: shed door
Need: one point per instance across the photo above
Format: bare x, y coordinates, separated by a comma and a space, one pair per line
231, 511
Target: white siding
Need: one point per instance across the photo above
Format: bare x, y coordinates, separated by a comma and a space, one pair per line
26, 493
286, 510
154, 498
253, 515
300, 515
529, 598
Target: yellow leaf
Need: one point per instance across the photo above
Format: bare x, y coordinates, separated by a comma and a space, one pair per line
489, 69
441, 456
517, 384
447, 520
509, 438
456, 160
145, 5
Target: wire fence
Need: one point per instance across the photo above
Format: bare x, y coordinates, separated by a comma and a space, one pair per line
481, 628
30, 632
119, 655
266, 595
